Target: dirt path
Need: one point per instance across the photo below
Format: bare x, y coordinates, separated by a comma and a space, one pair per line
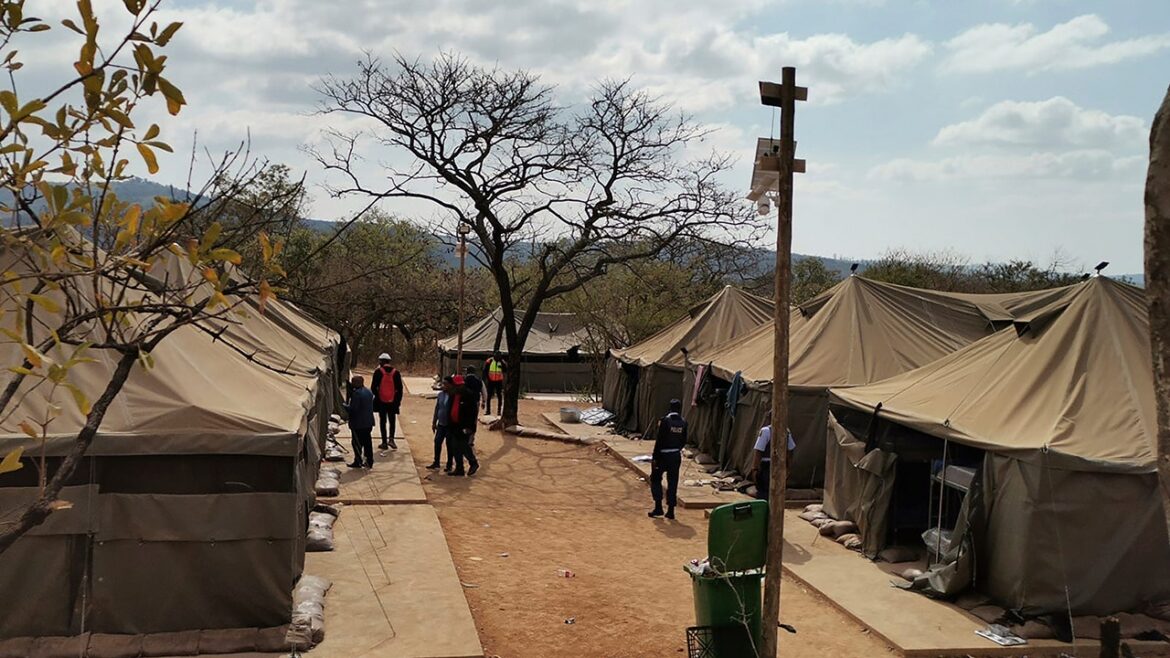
549, 506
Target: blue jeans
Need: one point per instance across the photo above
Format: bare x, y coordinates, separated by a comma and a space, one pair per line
440, 439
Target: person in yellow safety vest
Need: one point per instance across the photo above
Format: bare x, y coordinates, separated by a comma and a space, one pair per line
493, 376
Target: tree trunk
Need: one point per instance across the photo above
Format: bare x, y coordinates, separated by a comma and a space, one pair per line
36, 513
1158, 284
511, 410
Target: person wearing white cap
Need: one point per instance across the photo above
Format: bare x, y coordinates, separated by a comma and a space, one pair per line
387, 387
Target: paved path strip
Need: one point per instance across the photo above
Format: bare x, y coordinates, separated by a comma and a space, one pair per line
395, 588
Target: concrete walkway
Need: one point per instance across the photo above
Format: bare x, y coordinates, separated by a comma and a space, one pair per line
912, 623
395, 588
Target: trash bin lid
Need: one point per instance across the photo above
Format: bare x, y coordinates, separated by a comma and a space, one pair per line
737, 536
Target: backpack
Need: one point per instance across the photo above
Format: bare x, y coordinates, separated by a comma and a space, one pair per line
387, 391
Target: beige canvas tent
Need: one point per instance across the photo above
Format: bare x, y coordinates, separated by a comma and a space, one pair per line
1051, 430
556, 355
190, 509
641, 380
858, 332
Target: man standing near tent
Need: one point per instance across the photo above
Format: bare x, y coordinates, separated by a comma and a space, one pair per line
360, 410
474, 385
667, 459
461, 426
440, 422
493, 376
387, 386
762, 464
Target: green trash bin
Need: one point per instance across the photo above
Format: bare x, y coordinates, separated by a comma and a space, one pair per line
727, 587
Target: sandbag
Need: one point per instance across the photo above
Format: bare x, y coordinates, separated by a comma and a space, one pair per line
705, 459
843, 539
853, 543
103, 645
178, 643
59, 647
327, 487
227, 640
812, 516
272, 640
319, 540
815, 507
838, 528
334, 454
308, 614
988, 613
897, 554
822, 522
1034, 630
322, 520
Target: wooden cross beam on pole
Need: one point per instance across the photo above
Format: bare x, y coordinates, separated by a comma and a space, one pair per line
784, 96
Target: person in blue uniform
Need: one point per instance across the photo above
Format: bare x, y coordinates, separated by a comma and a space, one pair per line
762, 460
669, 441
360, 411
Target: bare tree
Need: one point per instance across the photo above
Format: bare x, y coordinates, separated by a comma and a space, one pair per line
1158, 284
553, 196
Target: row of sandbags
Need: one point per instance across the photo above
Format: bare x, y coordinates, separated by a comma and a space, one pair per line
333, 450
843, 532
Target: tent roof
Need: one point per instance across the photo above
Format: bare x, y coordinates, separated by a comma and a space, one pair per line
552, 334
728, 314
1074, 379
201, 396
861, 331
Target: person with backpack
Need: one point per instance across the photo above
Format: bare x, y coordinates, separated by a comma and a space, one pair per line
461, 426
387, 387
493, 376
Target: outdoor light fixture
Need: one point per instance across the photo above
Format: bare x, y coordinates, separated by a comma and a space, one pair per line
1100, 266
766, 170
853, 268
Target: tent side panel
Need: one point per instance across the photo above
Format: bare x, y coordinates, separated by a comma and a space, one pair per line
808, 417
656, 388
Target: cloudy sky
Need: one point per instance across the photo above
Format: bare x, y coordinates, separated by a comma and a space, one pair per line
995, 128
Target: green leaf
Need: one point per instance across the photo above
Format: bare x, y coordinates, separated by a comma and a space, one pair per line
169, 31
80, 400
210, 237
225, 255
11, 461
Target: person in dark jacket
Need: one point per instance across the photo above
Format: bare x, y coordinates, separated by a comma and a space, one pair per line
360, 410
494, 370
440, 421
461, 428
474, 385
666, 459
387, 387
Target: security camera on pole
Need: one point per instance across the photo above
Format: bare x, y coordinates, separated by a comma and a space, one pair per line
772, 180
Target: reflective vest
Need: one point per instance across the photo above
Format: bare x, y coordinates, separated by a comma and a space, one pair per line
387, 392
495, 371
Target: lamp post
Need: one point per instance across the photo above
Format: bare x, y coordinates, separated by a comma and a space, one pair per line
464, 229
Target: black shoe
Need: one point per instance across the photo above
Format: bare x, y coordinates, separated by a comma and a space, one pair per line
654, 513
354, 465
393, 445
670, 513
383, 445
473, 469
457, 474
371, 465
448, 468
433, 467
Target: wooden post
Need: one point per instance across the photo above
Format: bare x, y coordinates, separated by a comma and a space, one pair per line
1158, 284
788, 95
462, 258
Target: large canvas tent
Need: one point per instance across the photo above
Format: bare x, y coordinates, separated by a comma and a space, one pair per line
858, 332
556, 356
190, 509
641, 380
1055, 424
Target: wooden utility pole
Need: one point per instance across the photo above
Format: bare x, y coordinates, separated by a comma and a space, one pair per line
1158, 284
783, 96
463, 230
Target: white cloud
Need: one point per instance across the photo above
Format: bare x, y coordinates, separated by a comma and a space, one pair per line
1080, 165
1053, 123
1076, 44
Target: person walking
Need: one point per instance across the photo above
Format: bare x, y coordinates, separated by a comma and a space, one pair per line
762, 460
493, 376
387, 386
666, 459
461, 428
474, 385
440, 421
360, 412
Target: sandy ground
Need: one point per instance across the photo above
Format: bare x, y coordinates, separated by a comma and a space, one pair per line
549, 506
